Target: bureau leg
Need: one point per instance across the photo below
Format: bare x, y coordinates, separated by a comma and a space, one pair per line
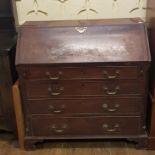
142, 143
29, 144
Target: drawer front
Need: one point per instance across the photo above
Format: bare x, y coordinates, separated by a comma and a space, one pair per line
93, 106
35, 89
54, 73
85, 126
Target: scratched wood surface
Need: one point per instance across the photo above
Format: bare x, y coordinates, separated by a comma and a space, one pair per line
8, 146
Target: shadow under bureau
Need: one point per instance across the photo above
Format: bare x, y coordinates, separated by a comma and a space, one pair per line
83, 80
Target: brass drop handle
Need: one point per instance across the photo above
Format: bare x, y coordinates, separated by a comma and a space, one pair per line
56, 129
59, 130
107, 76
108, 92
108, 129
55, 93
48, 74
105, 107
55, 110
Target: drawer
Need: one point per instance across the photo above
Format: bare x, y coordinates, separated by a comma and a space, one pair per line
92, 72
92, 106
85, 126
36, 89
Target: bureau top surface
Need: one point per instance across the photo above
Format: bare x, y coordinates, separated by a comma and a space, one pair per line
82, 42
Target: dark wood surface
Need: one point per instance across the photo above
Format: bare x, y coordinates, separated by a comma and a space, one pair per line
5, 8
72, 83
84, 126
45, 89
88, 71
7, 66
73, 23
7, 40
97, 105
151, 20
66, 45
6, 16
8, 75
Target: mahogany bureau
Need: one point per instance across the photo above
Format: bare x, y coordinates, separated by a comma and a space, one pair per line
83, 79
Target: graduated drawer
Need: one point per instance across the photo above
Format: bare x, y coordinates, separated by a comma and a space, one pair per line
85, 126
83, 72
92, 106
39, 88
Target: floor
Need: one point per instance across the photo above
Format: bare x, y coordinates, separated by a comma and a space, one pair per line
8, 146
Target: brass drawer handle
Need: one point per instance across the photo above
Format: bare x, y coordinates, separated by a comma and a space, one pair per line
105, 107
108, 129
107, 76
55, 93
108, 92
54, 110
57, 129
48, 74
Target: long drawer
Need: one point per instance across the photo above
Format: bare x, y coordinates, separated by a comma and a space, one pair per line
91, 106
84, 72
85, 126
64, 88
